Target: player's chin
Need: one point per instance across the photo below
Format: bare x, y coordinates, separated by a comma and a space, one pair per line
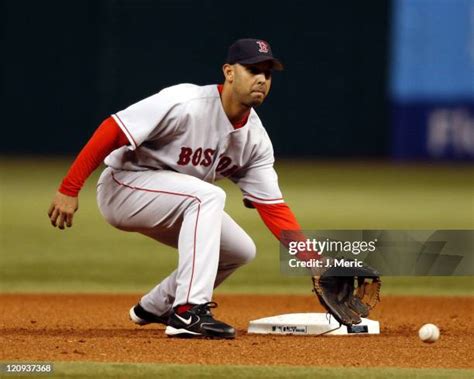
255, 101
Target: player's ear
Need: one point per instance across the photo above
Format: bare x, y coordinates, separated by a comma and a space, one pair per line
228, 71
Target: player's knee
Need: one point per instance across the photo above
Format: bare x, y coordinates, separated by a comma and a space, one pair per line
220, 195
249, 251
214, 194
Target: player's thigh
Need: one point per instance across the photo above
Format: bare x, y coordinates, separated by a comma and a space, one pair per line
236, 245
146, 200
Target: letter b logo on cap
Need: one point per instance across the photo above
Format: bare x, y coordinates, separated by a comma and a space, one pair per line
262, 47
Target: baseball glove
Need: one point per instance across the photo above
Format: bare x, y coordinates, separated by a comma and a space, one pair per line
348, 298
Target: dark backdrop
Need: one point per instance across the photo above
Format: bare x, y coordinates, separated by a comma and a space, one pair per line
67, 65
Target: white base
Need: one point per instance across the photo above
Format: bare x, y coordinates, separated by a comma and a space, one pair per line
310, 324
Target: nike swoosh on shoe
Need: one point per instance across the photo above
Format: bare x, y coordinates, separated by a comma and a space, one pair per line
183, 320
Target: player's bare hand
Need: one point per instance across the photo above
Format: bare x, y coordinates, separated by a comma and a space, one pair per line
62, 209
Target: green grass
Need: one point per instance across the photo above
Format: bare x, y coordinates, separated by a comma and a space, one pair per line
95, 257
124, 370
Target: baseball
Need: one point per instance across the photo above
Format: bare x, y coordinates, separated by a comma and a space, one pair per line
429, 333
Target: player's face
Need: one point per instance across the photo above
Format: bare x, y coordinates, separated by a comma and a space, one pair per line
252, 83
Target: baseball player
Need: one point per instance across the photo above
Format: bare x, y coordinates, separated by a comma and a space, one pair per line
163, 155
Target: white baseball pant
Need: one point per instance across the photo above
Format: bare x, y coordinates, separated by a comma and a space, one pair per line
181, 211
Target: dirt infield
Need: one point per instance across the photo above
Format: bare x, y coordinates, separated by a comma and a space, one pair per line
96, 328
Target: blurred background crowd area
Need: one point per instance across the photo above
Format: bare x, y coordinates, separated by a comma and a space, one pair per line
390, 80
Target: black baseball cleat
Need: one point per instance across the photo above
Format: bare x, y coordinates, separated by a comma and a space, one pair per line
198, 322
142, 317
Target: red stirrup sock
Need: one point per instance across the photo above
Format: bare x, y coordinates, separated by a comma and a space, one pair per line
180, 309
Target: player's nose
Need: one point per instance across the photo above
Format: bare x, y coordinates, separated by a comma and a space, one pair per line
261, 79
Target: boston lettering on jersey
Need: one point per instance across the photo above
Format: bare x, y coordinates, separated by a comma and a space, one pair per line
204, 157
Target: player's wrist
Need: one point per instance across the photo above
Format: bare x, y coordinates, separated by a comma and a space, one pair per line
64, 190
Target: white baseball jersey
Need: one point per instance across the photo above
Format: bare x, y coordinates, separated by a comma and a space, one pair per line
184, 128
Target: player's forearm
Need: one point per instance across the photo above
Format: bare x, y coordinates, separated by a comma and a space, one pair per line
106, 138
277, 218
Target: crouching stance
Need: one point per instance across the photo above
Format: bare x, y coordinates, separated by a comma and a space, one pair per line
163, 156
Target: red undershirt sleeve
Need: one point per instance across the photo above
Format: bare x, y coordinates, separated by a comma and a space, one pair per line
106, 139
278, 218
